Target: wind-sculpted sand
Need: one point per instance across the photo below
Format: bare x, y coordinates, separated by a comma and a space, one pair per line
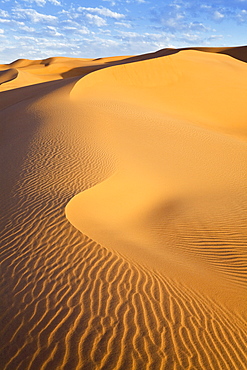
145, 155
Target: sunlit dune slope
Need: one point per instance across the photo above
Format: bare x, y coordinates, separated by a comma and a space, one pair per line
145, 155
181, 175
205, 88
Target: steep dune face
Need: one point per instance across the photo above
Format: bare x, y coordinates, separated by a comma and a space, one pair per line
160, 158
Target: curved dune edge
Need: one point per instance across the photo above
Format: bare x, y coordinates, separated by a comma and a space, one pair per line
206, 89
8, 75
179, 195
66, 301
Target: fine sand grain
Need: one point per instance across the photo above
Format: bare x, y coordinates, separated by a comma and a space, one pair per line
123, 211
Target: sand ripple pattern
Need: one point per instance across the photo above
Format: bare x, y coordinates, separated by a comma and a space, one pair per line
69, 303
223, 245
76, 305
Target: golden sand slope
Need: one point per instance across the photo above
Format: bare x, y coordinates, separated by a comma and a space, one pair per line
167, 289
181, 183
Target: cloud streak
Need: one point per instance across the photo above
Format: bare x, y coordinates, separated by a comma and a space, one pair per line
33, 16
102, 12
43, 2
96, 20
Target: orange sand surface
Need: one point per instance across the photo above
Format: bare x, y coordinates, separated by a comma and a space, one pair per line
123, 212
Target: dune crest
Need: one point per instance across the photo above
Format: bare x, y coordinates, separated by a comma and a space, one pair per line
145, 155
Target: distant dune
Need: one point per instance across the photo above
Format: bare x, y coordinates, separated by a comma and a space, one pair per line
123, 211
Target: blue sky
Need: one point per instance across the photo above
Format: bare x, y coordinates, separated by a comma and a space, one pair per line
37, 29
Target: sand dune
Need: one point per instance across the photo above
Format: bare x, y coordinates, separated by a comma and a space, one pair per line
50, 69
145, 155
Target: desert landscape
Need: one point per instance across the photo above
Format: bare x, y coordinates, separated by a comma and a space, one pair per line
123, 211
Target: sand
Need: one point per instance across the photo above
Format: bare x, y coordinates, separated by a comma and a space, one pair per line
123, 211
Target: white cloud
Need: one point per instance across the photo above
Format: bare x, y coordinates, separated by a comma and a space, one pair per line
25, 38
123, 24
197, 26
70, 23
113, 3
83, 30
173, 22
102, 11
25, 27
207, 7
3, 13
38, 2
242, 16
214, 37
190, 37
53, 31
70, 28
134, 1
1, 30
107, 43
130, 35
96, 20
218, 15
55, 2
43, 2
145, 42
3, 20
33, 15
